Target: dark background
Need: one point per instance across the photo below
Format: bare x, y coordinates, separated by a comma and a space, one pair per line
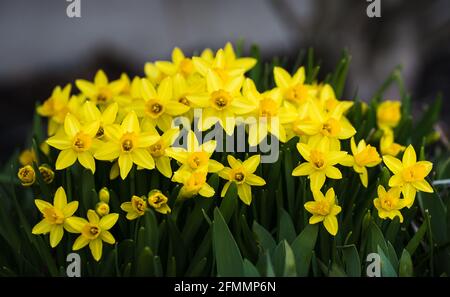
40, 47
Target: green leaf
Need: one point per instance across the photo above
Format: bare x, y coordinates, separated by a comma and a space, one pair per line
250, 269
229, 202
303, 247
263, 237
286, 227
284, 260
417, 238
387, 270
144, 264
352, 261
227, 254
198, 268
406, 265
177, 244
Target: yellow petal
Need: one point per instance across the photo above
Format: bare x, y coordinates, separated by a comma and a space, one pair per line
107, 152
394, 164
86, 87
60, 200
61, 142
165, 89
87, 161
254, 180
108, 221
364, 177
282, 77
409, 192
142, 158
213, 81
304, 151
56, 234
316, 219
131, 123
147, 89
92, 217
423, 186
233, 161
96, 247
125, 164
163, 166
71, 125
70, 209
333, 172
100, 78
252, 163
299, 76
214, 166
41, 205
75, 224
303, 169
225, 189
245, 193
409, 156
42, 227
206, 190
80, 243
107, 237
331, 224
65, 159
317, 179
396, 181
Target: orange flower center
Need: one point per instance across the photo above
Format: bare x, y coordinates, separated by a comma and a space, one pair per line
317, 159
220, 99
81, 142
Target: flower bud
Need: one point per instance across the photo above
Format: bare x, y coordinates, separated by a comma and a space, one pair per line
26, 175
104, 195
102, 209
47, 174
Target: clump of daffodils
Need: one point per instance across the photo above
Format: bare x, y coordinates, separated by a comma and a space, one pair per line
126, 125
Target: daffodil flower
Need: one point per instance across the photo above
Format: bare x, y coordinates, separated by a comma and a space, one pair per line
159, 151
388, 114
158, 201
58, 106
364, 155
180, 64
76, 143
196, 157
225, 63
193, 183
320, 159
134, 208
409, 174
268, 106
90, 113
93, 232
387, 144
324, 209
242, 173
55, 216
221, 103
101, 91
159, 106
389, 203
128, 144
293, 88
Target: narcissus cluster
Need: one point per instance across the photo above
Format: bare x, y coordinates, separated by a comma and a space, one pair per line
119, 128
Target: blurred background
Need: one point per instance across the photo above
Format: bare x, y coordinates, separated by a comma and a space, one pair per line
41, 47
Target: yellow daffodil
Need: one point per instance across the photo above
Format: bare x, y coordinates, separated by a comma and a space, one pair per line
58, 106
364, 155
409, 174
158, 201
268, 106
387, 144
134, 208
26, 175
221, 103
327, 98
242, 173
56, 216
320, 159
182, 89
332, 124
76, 142
324, 209
153, 74
389, 114
90, 113
224, 64
180, 64
293, 87
196, 157
193, 183
159, 104
128, 144
27, 157
159, 151
93, 232
47, 173
389, 203
101, 91
102, 209
131, 100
